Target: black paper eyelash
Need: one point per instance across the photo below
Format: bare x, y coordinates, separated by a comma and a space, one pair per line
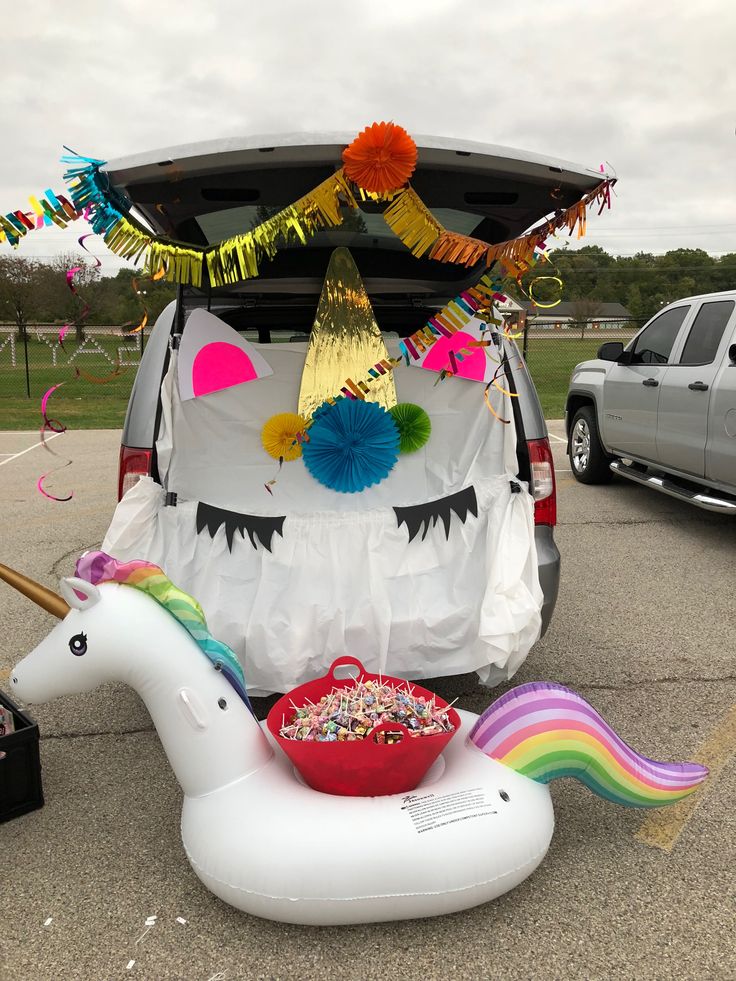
418, 517
257, 526
462, 504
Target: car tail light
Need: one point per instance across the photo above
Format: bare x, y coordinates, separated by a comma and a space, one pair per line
543, 487
134, 464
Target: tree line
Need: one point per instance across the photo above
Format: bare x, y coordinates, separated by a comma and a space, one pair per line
642, 283
33, 292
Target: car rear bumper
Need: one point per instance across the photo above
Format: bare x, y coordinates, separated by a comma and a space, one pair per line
548, 558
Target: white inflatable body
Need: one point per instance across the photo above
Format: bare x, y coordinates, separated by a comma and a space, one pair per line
254, 834
288, 853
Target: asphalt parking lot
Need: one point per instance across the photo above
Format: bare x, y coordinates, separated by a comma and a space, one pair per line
644, 629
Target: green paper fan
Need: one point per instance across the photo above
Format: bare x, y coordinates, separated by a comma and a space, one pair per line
413, 425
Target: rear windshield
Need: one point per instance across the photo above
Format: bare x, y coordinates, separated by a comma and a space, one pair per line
217, 225
289, 317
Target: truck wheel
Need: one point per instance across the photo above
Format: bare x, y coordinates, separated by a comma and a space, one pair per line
588, 460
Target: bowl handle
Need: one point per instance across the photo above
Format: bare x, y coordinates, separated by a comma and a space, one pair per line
345, 659
389, 727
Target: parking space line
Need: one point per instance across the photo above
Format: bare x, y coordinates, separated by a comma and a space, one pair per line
15, 456
662, 828
560, 439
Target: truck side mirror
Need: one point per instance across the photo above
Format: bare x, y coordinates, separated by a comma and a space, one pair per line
610, 351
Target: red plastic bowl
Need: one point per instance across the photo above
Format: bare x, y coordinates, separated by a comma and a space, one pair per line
362, 768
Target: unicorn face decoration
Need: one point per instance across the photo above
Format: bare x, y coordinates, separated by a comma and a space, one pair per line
299, 518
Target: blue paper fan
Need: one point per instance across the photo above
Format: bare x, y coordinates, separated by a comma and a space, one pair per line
352, 445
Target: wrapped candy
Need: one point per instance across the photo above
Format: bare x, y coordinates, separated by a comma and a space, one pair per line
350, 713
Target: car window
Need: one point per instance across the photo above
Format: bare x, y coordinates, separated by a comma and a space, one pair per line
706, 332
654, 344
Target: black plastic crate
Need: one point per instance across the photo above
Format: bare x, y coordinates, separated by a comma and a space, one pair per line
20, 767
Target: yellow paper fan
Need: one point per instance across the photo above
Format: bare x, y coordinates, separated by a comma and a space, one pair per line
279, 436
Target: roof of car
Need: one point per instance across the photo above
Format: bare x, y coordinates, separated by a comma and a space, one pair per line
720, 295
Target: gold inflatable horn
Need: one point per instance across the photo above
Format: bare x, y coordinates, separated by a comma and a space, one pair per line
41, 596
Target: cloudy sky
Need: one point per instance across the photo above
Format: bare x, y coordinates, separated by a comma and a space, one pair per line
649, 88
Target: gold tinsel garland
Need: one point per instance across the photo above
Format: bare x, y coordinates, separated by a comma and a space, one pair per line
410, 220
238, 258
418, 229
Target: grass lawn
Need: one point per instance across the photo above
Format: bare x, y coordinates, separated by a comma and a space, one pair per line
82, 404
550, 361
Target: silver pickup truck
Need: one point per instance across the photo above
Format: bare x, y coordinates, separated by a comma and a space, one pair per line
662, 410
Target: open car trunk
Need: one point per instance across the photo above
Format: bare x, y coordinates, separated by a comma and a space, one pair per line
433, 570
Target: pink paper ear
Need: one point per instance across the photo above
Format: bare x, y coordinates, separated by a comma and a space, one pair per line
213, 356
220, 365
470, 362
472, 366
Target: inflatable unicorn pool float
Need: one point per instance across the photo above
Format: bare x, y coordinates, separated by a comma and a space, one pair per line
478, 824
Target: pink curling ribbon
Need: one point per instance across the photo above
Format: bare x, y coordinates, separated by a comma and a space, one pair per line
80, 240
54, 426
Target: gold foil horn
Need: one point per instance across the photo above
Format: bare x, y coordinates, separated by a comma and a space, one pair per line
345, 340
41, 596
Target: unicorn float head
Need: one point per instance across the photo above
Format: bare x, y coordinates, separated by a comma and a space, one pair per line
478, 824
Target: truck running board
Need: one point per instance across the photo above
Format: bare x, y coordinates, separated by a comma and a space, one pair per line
708, 501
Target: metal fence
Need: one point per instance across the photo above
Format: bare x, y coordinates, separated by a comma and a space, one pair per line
33, 359
551, 349
31, 362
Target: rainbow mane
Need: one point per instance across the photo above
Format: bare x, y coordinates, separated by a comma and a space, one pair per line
545, 731
98, 567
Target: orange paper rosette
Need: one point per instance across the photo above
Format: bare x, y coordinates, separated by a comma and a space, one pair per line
381, 159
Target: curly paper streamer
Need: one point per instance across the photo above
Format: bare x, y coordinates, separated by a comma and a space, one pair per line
44, 405
490, 408
54, 426
134, 283
80, 240
535, 301
96, 380
70, 274
52, 497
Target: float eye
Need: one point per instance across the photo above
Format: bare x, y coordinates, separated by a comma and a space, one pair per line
222, 703
504, 796
78, 644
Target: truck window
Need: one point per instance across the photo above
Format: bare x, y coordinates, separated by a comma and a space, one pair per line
706, 332
655, 342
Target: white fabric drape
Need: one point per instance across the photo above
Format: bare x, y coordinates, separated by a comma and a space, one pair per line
344, 577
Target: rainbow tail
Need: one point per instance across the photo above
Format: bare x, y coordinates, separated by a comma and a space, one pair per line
546, 731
